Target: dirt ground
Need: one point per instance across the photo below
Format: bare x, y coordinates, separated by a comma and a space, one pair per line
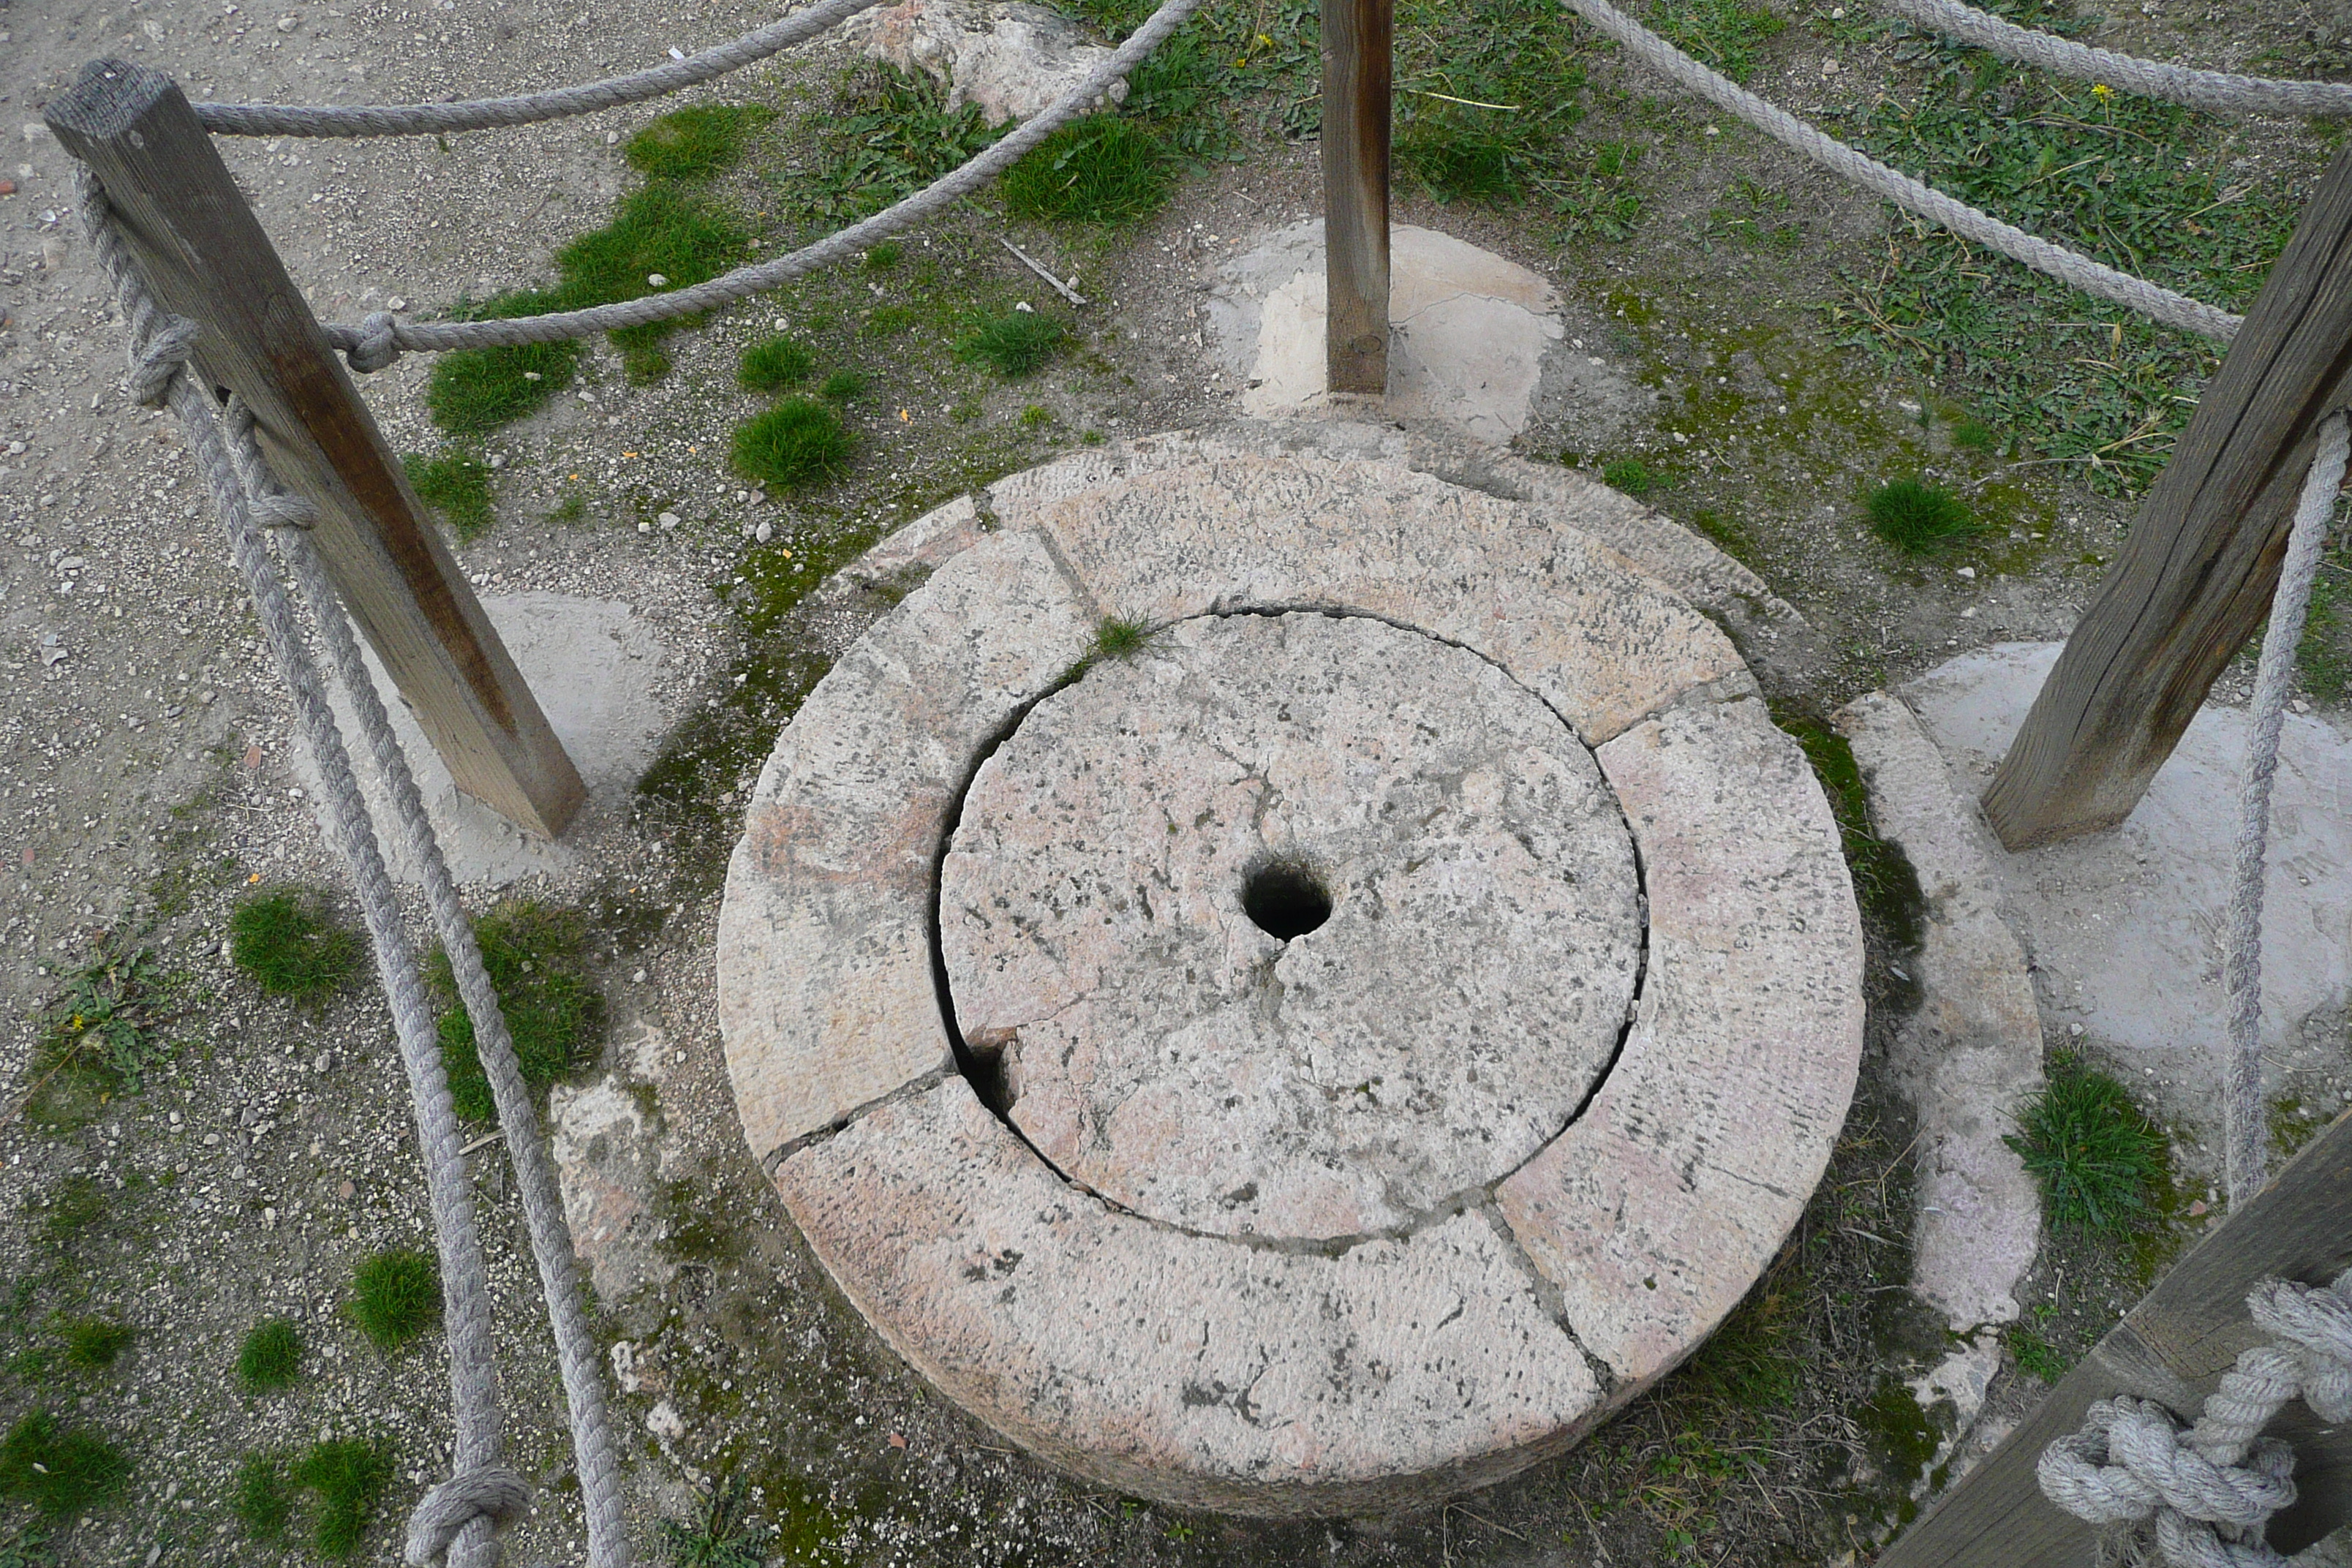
146, 778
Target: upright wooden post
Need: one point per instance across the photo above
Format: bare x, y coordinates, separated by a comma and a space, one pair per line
2195, 578
2173, 1347
1357, 44
207, 258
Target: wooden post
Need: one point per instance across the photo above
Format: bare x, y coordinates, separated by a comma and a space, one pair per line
1356, 39
2172, 1347
2195, 578
206, 257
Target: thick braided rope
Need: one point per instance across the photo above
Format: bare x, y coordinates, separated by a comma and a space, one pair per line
428, 118
2150, 299
596, 1464
368, 341
2246, 1126
2219, 90
158, 346
2212, 1488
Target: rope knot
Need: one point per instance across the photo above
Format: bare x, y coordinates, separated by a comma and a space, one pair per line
155, 362
377, 348
494, 1492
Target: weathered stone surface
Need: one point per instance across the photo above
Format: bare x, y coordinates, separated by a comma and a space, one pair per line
826, 993
1569, 619
1435, 1031
1192, 1370
1972, 1054
1657, 1210
1011, 60
607, 1159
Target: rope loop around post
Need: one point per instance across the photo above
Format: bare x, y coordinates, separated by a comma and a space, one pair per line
494, 1492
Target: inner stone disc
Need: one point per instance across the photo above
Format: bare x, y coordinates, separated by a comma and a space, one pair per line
1293, 926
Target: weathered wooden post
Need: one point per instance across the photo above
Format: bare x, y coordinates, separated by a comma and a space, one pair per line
2173, 1347
1357, 44
207, 258
2195, 578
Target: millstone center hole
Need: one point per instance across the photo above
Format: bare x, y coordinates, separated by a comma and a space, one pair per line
1283, 899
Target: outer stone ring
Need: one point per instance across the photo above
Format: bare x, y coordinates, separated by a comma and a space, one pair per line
1329, 1056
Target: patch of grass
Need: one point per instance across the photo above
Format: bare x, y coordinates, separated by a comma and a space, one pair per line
571, 509
659, 231
1723, 34
883, 256
1974, 435
1035, 416
259, 1498
102, 1037
292, 945
396, 1296
1916, 517
721, 1536
1115, 638
2294, 1124
93, 1343
797, 445
1746, 1363
59, 1471
474, 391
842, 386
698, 142
888, 320
2323, 656
1632, 475
74, 1207
886, 135
1016, 344
2036, 1356
2095, 1155
1884, 882
348, 1476
1103, 169
457, 484
536, 957
271, 1356
1487, 93
774, 364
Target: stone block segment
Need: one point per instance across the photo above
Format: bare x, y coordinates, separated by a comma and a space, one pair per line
826, 998
1657, 1210
1569, 619
1188, 1368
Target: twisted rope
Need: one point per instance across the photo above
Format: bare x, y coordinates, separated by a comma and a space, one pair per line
457, 1519
428, 118
370, 344
2219, 90
2212, 1488
2150, 300
2243, 1079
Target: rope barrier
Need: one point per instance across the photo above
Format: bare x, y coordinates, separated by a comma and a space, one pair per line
430, 119
2150, 299
456, 1521
2219, 90
375, 343
2212, 1488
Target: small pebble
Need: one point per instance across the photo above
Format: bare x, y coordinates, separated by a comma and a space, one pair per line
669, 520
657, 280
638, 978
611, 137
7, 187
764, 533
1969, 572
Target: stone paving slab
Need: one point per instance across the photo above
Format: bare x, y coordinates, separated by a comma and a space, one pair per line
1571, 620
1657, 1210
826, 1000
1184, 1368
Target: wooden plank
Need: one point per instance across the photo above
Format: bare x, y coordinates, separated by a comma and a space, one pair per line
2173, 1347
2194, 579
207, 258
1357, 42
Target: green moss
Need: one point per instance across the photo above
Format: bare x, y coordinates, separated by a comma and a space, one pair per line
774, 364
2323, 656
1103, 169
536, 957
74, 1207
694, 1226
1903, 1439
271, 1356
94, 1343
798, 445
698, 142
2096, 1155
457, 484
1014, 344
1632, 475
291, 944
259, 1498
1884, 880
1916, 517
395, 1297
349, 1477
2295, 1124
59, 1471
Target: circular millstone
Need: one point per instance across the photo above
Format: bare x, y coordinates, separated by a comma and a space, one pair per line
1294, 926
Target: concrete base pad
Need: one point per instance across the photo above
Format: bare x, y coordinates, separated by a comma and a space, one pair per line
591, 664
